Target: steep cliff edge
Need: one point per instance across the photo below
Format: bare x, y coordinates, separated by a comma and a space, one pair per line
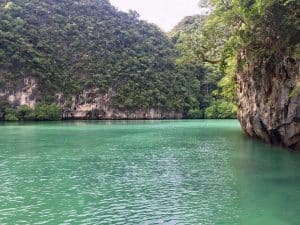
262, 57
269, 106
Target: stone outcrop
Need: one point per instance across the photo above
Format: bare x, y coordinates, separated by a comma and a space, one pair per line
23, 93
90, 104
269, 106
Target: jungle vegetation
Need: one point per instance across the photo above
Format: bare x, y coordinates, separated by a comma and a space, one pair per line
70, 46
233, 34
265, 29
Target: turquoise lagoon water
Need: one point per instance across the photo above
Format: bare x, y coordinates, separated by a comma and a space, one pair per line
144, 172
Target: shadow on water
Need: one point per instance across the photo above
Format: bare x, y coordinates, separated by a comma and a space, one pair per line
268, 181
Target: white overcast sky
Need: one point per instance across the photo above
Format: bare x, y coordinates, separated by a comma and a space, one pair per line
165, 13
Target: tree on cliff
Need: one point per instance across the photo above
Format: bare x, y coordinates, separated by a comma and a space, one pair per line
251, 24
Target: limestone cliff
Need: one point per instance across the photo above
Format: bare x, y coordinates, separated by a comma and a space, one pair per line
89, 104
269, 108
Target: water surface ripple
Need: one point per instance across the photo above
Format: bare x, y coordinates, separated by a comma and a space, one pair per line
144, 172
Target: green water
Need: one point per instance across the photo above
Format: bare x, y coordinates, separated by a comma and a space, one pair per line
137, 172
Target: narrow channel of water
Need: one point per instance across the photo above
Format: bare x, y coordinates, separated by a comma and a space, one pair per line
144, 172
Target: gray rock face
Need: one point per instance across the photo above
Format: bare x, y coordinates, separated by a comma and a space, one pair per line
268, 108
90, 104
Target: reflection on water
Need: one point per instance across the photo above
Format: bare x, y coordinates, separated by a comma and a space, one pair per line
144, 172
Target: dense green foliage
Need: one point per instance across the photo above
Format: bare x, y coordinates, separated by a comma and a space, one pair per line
69, 46
264, 29
256, 23
47, 112
188, 39
10, 114
221, 109
42, 112
72, 46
